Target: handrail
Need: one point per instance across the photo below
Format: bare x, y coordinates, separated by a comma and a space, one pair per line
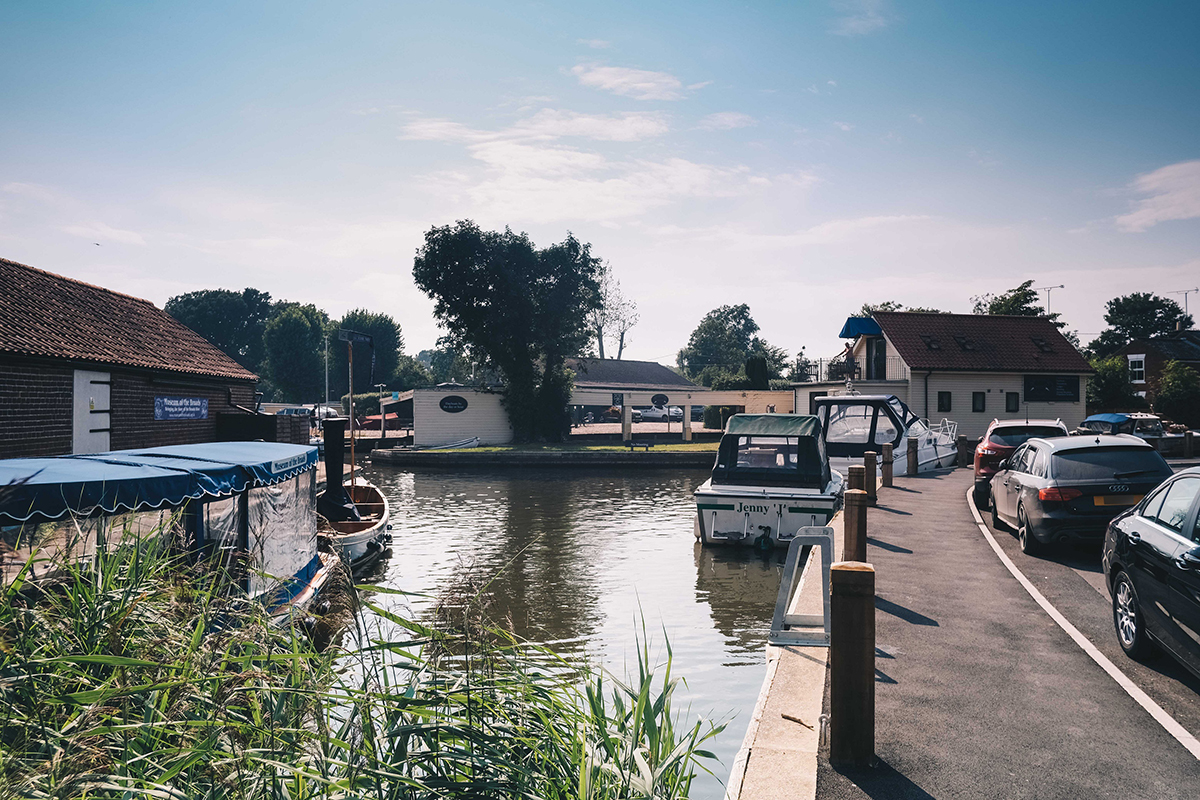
803, 629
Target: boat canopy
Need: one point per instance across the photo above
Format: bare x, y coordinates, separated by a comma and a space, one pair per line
773, 425
43, 489
1112, 419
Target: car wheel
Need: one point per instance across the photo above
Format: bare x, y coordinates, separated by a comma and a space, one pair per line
997, 523
1127, 617
981, 498
1030, 546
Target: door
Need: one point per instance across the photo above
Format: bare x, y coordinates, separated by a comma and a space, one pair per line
1006, 484
92, 423
1151, 551
1178, 513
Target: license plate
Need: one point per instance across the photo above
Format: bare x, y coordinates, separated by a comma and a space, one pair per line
1116, 499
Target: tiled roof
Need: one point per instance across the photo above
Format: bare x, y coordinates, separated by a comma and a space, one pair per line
1181, 346
605, 372
979, 343
43, 314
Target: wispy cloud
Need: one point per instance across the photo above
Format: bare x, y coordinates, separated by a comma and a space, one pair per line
595, 44
640, 84
546, 124
843, 126
107, 233
1173, 193
860, 17
727, 120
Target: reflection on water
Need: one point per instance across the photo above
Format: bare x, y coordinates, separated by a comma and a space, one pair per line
580, 557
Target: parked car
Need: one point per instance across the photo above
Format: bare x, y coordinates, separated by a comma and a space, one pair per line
697, 413
613, 414
1070, 488
1002, 438
661, 413
1145, 426
1152, 563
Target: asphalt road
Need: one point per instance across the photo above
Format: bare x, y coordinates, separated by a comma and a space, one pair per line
979, 693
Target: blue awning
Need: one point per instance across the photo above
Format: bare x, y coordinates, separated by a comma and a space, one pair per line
130, 480
860, 326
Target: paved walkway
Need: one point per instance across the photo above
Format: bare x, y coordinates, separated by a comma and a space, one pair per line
978, 692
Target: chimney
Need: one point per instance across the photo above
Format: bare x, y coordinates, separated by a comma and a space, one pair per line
333, 503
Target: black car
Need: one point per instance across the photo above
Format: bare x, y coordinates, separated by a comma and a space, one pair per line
1070, 488
1152, 562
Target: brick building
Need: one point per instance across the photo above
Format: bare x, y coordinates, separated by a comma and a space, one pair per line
1147, 357
85, 370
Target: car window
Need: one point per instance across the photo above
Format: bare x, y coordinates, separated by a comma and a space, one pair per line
1109, 463
1177, 501
1151, 506
1038, 467
1011, 436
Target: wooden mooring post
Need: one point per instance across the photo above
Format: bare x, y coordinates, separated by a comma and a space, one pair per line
857, 479
886, 466
852, 664
1189, 445
870, 483
854, 527
912, 455
964, 451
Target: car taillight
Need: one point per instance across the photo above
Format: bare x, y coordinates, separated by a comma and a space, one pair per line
987, 451
1055, 494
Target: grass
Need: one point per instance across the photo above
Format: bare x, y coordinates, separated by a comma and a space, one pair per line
140, 675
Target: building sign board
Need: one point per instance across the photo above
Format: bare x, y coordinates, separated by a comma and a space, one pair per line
1051, 388
452, 404
181, 408
618, 398
659, 400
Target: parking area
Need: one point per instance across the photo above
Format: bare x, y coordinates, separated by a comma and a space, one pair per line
980, 692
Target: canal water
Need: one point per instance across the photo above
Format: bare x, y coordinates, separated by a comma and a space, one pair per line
581, 558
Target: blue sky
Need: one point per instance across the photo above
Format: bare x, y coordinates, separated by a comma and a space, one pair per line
799, 157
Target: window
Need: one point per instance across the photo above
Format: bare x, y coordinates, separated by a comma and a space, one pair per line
1012, 402
943, 401
978, 402
1013, 435
1176, 503
1137, 368
850, 424
1038, 465
885, 429
1051, 388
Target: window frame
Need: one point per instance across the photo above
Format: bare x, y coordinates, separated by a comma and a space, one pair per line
1141, 359
949, 398
1166, 492
979, 407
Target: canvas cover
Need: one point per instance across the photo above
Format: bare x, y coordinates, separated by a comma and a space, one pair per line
773, 425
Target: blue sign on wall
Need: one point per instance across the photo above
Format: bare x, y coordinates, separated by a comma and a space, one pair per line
181, 408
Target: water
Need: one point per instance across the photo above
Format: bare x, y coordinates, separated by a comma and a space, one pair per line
582, 556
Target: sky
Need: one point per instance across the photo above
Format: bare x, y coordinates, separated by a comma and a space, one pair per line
800, 157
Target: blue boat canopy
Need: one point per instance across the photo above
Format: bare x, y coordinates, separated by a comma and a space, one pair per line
43, 489
860, 326
1112, 419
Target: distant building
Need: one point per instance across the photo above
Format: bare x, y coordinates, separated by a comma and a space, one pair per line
1147, 357
621, 375
969, 368
86, 370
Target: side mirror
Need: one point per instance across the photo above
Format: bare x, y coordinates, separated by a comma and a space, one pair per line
1002, 466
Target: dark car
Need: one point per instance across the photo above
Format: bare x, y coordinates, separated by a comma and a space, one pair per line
1152, 563
1070, 488
1002, 438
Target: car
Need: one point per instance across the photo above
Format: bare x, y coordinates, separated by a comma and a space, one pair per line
1152, 566
661, 413
1002, 438
697, 413
1070, 488
294, 412
613, 414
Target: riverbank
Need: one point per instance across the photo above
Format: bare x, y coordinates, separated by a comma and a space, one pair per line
681, 456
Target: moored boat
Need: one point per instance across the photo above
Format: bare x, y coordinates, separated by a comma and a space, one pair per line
853, 424
250, 505
354, 513
771, 478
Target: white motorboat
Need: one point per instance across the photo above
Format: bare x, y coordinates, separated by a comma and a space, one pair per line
771, 479
852, 424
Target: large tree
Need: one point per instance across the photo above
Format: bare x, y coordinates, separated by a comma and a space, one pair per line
1109, 389
717, 350
447, 363
522, 310
1177, 395
1140, 315
1021, 301
233, 321
616, 314
388, 348
294, 340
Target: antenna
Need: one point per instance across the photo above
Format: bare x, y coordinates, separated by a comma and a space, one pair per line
1047, 290
1185, 293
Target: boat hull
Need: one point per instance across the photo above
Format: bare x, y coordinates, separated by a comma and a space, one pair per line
762, 517
361, 542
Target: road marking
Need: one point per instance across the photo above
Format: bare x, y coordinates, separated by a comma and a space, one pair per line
1169, 723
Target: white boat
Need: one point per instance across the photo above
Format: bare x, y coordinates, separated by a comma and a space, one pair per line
771, 478
354, 513
852, 424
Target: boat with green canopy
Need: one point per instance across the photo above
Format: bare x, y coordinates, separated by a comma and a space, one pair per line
771, 479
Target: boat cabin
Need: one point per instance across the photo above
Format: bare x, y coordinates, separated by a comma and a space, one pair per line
248, 503
854, 424
772, 450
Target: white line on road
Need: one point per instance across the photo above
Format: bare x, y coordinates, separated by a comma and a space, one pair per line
1169, 723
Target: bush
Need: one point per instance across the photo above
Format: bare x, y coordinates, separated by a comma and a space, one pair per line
1109, 389
365, 404
1178, 395
715, 417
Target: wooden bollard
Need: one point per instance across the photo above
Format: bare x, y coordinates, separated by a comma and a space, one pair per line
852, 664
854, 526
869, 477
857, 479
912, 455
885, 467
1189, 445
964, 451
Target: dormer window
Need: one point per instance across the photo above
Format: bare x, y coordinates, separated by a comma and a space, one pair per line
1041, 344
964, 343
931, 342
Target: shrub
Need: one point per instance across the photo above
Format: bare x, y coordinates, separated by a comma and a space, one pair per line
715, 417
1178, 395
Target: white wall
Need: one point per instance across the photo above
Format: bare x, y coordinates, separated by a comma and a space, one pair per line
484, 417
994, 385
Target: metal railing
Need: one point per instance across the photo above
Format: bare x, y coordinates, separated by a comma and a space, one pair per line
837, 369
803, 629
